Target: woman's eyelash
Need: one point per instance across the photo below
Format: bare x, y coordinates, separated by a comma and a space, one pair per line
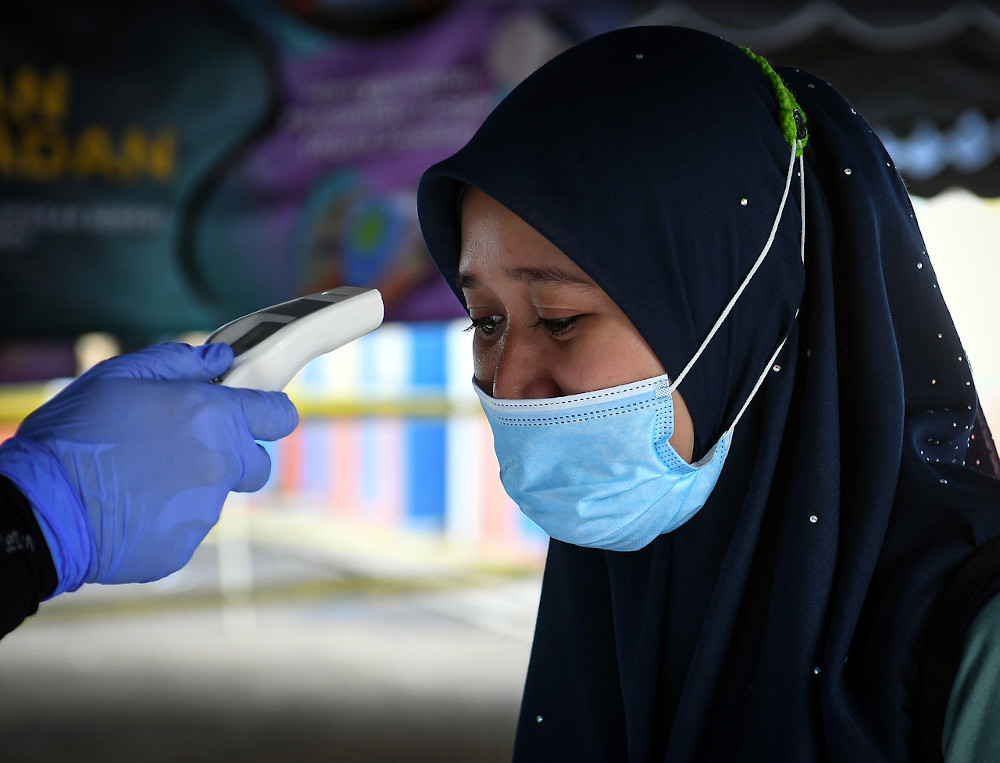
556, 326
486, 325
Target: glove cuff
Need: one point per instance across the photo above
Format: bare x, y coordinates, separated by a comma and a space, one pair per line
57, 508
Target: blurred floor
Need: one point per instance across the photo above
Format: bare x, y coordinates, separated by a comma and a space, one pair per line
343, 652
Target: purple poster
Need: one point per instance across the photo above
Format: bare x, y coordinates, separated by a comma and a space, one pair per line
206, 158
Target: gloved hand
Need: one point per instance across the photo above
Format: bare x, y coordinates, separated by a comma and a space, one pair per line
128, 467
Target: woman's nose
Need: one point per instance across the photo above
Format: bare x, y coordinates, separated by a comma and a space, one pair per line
525, 367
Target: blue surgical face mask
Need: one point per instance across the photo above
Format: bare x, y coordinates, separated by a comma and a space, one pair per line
596, 469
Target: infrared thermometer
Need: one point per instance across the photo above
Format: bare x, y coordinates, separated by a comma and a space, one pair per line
273, 344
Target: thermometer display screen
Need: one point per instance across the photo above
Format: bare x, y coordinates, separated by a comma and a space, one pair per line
297, 308
256, 335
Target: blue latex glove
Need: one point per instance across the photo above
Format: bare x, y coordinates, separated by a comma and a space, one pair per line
128, 467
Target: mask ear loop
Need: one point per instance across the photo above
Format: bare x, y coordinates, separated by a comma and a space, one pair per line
802, 254
793, 125
795, 152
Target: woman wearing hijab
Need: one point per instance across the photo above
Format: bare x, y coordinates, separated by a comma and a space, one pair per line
721, 375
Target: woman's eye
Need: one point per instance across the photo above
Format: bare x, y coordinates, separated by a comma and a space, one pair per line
556, 326
487, 325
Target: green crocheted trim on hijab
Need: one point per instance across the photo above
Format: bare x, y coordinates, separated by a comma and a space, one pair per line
790, 114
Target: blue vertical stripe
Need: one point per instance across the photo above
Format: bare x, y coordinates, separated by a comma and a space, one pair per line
426, 439
425, 445
429, 357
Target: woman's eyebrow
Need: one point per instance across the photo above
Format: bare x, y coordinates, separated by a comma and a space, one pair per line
547, 275
532, 275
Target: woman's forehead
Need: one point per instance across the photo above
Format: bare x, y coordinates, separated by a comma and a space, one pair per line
493, 235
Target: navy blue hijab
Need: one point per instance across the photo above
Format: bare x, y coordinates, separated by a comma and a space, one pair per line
784, 621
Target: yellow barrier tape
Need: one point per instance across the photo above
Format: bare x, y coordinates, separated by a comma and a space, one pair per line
17, 401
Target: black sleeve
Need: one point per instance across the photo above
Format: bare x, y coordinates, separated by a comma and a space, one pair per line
27, 574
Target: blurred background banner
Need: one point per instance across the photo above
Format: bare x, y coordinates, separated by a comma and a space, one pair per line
167, 166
